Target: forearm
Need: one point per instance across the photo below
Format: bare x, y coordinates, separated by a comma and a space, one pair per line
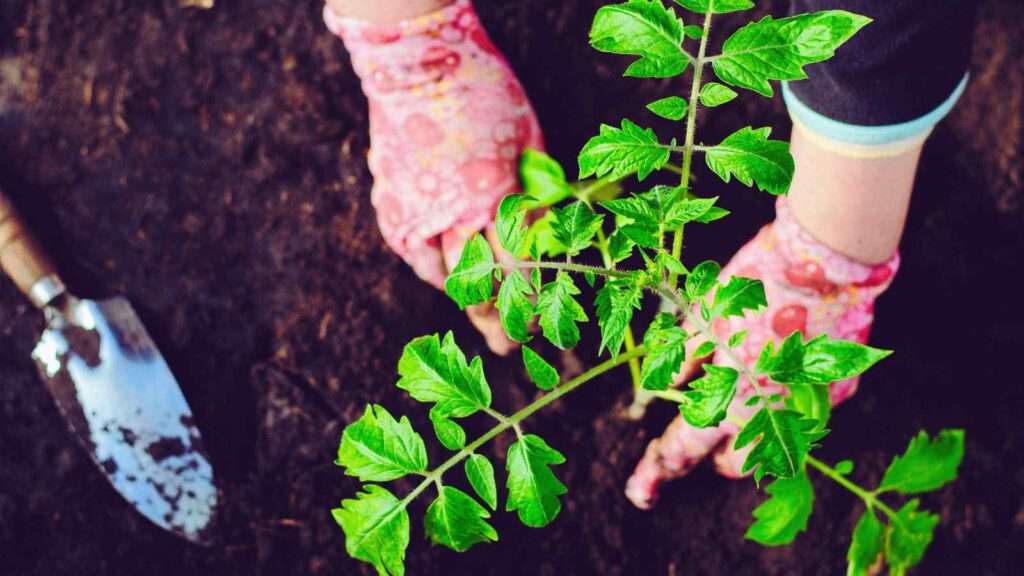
856, 206
384, 11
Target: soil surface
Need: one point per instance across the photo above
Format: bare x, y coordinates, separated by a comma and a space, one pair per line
210, 165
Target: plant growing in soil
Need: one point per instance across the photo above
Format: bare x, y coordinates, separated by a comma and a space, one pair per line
541, 279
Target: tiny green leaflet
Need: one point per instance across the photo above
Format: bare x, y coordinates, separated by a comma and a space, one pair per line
376, 526
541, 373
669, 108
780, 518
378, 448
560, 312
472, 280
533, 489
480, 473
455, 520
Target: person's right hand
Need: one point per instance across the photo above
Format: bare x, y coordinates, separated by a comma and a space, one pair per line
448, 123
810, 288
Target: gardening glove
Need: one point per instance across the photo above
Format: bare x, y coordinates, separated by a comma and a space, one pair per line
448, 122
810, 288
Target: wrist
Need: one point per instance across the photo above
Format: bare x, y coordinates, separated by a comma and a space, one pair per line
384, 11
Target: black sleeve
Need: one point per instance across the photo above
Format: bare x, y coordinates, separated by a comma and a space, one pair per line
903, 65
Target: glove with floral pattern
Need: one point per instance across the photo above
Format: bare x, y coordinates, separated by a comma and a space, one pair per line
810, 288
448, 122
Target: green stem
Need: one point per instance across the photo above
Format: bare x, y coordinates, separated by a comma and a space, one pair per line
515, 419
564, 266
640, 400
595, 186
691, 132
869, 499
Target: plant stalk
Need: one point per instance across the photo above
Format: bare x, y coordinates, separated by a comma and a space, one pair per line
641, 398
515, 419
691, 132
869, 499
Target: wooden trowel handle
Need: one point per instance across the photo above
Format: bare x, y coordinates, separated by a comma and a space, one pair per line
20, 255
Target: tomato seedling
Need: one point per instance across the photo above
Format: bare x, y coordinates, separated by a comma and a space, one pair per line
647, 227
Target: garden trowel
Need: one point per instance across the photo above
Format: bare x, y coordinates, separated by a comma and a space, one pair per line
115, 390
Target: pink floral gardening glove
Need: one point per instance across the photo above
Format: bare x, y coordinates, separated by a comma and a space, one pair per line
809, 288
448, 122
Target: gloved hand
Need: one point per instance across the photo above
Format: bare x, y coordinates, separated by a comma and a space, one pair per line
448, 122
809, 288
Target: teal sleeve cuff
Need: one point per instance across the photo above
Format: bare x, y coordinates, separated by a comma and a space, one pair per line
869, 135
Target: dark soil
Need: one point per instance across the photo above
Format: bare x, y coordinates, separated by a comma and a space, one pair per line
210, 165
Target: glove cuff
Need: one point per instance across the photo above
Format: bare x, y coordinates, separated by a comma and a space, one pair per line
813, 265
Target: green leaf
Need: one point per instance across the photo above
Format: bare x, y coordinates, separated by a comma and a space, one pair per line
736, 339
908, 537
666, 350
377, 448
541, 373
451, 435
634, 209
544, 182
688, 210
533, 489
670, 108
713, 214
575, 226
471, 282
828, 360
819, 361
780, 518
644, 28
693, 32
641, 235
667, 261
647, 210
714, 94
509, 223
752, 158
813, 402
779, 49
785, 440
560, 312
705, 349
376, 526
619, 152
615, 303
865, 546
708, 399
702, 279
716, 6
844, 467
620, 246
514, 306
926, 465
738, 295
454, 519
480, 474
432, 371
541, 238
